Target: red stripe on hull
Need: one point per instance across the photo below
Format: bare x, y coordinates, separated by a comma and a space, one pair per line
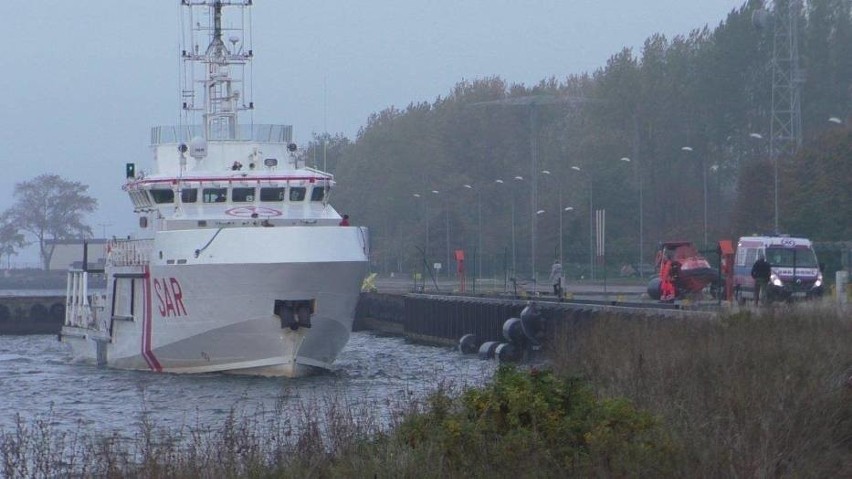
152, 361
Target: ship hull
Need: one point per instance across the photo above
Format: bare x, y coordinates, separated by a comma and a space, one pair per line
225, 311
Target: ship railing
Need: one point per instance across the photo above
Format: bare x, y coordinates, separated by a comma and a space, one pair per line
78, 313
262, 133
126, 252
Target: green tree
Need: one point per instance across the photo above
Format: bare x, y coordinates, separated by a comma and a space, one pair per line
817, 185
49, 207
325, 151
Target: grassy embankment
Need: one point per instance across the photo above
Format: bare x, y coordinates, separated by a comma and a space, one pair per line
750, 395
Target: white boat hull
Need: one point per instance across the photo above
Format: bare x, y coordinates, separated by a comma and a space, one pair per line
217, 312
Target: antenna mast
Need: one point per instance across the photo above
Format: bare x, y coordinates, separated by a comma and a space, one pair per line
787, 78
785, 127
215, 70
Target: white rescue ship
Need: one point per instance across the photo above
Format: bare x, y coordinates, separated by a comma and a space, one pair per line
241, 265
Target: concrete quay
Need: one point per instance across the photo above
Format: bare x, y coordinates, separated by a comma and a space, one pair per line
31, 313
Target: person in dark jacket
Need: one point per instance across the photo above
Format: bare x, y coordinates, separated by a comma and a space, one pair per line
760, 271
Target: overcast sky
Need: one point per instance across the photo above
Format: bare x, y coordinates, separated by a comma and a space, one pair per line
83, 81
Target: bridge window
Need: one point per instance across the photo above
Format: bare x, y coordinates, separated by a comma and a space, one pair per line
297, 193
189, 195
272, 194
215, 195
317, 193
242, 195
163, 196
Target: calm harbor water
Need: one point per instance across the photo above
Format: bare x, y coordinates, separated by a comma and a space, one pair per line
38, 382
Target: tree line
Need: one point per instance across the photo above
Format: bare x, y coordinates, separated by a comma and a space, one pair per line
691, 113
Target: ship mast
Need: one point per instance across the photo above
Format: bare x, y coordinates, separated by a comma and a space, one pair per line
217, 73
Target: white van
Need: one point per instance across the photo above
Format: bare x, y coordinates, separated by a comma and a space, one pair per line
795, 270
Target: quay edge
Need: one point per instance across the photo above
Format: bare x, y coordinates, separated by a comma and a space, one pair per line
442, 320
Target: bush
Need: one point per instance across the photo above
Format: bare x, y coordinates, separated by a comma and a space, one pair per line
533, 423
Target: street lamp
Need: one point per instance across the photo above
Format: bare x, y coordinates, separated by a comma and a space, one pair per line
478, 231
836, 120
641, 216
591, 225
561, 211
426, 206
514, 256
704, 174
425, 241
104, 227
447, 228
773, 156
501, 182
534, 239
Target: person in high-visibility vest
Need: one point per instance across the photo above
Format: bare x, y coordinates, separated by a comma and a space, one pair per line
667, 289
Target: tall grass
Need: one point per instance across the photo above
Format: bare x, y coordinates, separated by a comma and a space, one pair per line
763, 393
296, 436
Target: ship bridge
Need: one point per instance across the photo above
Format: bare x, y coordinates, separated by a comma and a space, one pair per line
260, 145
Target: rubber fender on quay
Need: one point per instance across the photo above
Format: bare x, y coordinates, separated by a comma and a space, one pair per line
532, 323
513, 331
486, 350
469, 344
508, 353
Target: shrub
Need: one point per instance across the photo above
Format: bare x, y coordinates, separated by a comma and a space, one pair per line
534, 423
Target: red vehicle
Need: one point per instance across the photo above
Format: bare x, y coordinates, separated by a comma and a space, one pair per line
681, 271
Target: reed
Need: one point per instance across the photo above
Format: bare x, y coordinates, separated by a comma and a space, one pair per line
764, 393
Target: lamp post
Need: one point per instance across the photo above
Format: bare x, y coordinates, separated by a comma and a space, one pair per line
561, 211
704, 175
641, 216
426, 207
478, 231
514, 256
501, 182
535, 276
755, 136
714, 172
425, 240
103, 228
447, 228
534, 239
591, 225
505, 277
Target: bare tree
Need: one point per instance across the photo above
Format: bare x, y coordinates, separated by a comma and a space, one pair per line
49, 207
